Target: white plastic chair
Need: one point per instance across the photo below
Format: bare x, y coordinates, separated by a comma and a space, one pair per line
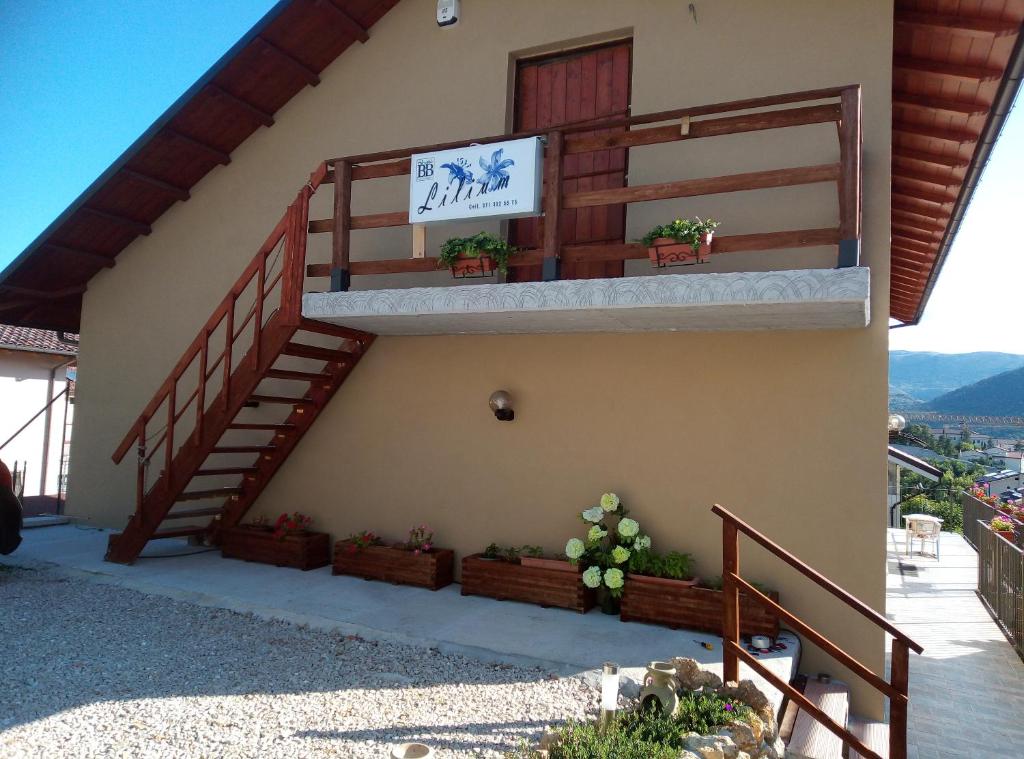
923, 530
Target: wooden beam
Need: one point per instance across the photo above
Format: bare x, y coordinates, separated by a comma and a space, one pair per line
943, 180
973, 26
925, 156
909, 231
138, 227
552, 242
752, 122
352, 26
10, 305
912, 256
341, 235
914, 246
218, 155
29, 292
173, 190
256, 113
366, 221
932, 214
959, 136
948, 105
948, 70
757, 180
912, 220
97, 258
312, 78
941, 198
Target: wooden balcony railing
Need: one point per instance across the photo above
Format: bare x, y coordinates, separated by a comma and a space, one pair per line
842, 107
895, 689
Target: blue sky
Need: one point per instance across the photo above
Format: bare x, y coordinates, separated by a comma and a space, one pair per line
80, 81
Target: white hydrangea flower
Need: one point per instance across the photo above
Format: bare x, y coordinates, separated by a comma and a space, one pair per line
643, 542
609, 502
596, 533
619, 554
574, 548
628, 527
594, 514
614, 578
592, 577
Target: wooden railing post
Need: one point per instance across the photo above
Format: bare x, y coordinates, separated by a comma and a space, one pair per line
551, 267
201, 390
850, 177
900, 679
229, 341
140, 475
169, 434
730, 600
341, 278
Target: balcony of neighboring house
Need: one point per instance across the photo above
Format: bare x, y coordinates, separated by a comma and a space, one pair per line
782, 175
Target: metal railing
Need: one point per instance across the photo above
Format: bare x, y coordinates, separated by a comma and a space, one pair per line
1001, 580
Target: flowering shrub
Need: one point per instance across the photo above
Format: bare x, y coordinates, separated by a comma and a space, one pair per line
290, 523
361, 540
998, 524
421, 540
611, 539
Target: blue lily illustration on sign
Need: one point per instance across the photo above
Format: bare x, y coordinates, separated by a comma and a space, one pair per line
495, 173
458, 171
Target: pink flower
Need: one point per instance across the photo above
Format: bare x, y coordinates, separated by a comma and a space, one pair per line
417, 552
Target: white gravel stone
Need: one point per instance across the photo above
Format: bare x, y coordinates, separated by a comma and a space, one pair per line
94, 670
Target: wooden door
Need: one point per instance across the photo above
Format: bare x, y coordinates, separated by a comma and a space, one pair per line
564, 89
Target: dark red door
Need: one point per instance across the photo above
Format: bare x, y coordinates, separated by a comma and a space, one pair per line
565, 89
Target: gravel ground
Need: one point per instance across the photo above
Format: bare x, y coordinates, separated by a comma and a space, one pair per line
94, 670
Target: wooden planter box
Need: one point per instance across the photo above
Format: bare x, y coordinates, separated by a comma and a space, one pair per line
677, 605
510, 581
431, 570
301, 550
482, 266
669, 252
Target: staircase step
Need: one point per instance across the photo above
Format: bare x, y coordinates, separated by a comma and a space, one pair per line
281, 399
244, 449
334, 330
189, 513
287, 374
874, 735
301, 350
261, 426
810, 739
225, 470
199, 495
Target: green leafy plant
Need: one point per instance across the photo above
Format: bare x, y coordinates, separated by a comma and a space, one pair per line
715, 583
361, 540
672, 565
480, 244
687, 231
645, 733
998, 524
493, 551
421, 540
511, 553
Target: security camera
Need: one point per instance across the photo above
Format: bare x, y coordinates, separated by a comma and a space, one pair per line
448, 12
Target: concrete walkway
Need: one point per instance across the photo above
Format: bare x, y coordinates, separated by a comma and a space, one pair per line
967, 689
560, 640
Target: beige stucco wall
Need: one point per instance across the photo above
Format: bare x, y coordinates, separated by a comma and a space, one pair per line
787, 429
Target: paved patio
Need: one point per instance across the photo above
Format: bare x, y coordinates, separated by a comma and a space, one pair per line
967, 689
559, 640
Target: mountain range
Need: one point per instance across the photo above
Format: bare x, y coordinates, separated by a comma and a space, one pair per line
919, 379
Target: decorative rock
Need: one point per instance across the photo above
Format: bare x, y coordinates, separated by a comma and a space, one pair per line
692, 677
742, 735
713, 747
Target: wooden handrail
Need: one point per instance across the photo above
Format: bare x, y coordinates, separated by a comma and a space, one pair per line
816, 577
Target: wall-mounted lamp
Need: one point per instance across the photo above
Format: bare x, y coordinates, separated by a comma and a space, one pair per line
897, 423
501, 404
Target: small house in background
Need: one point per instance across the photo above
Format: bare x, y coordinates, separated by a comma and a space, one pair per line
1012, 460
37, 372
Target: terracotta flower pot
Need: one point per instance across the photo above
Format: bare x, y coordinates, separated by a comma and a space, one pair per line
669, 252
1008, 534
468, 267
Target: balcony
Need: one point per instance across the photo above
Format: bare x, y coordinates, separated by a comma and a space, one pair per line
785, 280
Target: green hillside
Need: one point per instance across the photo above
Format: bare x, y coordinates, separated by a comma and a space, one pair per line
1001, 395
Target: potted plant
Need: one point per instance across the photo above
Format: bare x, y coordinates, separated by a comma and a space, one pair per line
1003, 527
477, 256
610, 541
415, 561
681, 242
523, 574
289, 542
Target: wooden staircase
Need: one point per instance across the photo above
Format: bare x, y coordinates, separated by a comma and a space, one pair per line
270, 344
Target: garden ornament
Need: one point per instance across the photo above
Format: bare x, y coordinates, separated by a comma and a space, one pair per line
660, 688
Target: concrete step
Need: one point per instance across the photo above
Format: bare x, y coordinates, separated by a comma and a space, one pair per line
874, 735
810, 739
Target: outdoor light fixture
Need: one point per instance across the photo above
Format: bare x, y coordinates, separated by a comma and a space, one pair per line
609, 693
897, 423
501, 404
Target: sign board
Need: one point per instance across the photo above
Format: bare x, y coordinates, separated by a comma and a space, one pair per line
499, 180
